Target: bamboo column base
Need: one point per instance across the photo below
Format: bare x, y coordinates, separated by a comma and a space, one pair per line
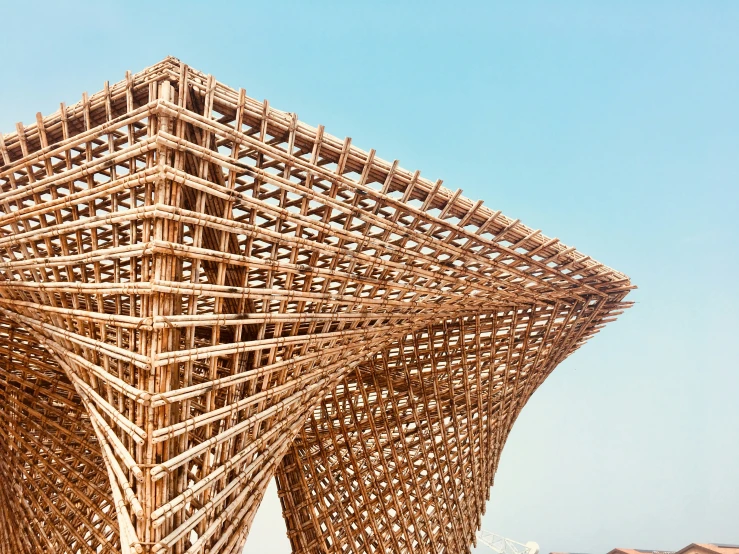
200, 293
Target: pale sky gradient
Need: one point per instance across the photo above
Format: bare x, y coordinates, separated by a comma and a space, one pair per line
611, 125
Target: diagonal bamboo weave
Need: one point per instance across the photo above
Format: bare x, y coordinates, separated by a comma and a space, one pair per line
199, 293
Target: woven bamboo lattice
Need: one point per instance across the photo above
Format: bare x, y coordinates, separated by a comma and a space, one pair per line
199, 293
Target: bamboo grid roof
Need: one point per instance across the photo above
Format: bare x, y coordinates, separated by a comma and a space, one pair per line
199, 293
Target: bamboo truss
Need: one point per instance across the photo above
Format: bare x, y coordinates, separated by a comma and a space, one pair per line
200, 293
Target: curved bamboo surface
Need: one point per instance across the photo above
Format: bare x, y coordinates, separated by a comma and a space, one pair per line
200, 293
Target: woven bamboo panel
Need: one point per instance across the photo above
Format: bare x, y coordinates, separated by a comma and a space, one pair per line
200, 293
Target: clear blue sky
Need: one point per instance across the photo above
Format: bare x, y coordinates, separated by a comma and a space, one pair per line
611, 125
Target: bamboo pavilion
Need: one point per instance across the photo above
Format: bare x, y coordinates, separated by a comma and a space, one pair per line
200, 293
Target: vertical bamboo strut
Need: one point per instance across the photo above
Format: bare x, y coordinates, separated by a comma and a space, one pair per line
200, 293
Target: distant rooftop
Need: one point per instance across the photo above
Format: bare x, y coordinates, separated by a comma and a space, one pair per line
693, 548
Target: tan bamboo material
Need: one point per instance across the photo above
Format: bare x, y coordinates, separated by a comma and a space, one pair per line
200, 293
